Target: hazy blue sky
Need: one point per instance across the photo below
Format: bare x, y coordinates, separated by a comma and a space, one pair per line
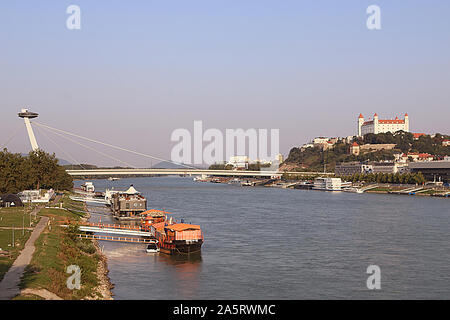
137, 70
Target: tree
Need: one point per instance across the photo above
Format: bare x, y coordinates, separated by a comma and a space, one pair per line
37, 170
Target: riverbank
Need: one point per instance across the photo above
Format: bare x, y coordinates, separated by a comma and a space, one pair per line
59, 247
359, 187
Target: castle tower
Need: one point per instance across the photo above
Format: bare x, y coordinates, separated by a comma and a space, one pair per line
27, 115
375, 123
360, 123
406, 122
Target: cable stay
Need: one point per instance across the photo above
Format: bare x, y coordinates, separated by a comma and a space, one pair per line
90, 148
108, 145
11, 137
61, 149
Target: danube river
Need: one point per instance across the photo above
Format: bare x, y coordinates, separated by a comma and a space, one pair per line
269, 243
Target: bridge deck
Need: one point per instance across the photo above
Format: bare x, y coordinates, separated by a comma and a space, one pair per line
111, 172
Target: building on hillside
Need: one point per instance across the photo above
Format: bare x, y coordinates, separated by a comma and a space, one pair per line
354, 149
377, 147
446, 143
377, 125
418, 135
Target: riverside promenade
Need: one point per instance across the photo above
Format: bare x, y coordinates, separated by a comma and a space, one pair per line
9, 286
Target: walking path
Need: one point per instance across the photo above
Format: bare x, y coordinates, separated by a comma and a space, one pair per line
9, 287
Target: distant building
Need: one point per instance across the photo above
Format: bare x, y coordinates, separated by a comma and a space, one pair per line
280, 158
330, 184
354, 149
239, 162
418, 135
414, 157
384, 167
36, 196
10, 200
432, 170
88, 187
446, 143
351, 168
377, 125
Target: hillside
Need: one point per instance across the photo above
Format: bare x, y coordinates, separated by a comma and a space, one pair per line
314, 158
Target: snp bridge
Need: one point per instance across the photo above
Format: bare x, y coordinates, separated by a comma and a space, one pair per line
119, 172
132, 170
189, 172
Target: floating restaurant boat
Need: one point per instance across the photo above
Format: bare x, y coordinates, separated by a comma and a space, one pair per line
128, 205
172, 238
178, 238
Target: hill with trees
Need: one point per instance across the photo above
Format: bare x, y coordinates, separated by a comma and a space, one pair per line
36, 170
315, 159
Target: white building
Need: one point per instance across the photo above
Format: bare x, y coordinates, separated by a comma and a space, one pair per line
35, 196
377, 125
239, 161
88, 187
330, 184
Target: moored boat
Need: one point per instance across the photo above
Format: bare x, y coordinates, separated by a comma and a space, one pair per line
178, 238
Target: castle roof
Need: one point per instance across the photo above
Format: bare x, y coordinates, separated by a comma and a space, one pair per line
360, 116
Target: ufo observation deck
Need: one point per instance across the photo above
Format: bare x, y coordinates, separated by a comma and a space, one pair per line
27, 114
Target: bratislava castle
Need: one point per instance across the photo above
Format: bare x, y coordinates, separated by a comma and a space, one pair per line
378, 125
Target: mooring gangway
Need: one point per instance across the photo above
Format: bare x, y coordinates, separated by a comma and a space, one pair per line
112, 226
117, 239
128, 232
90, 200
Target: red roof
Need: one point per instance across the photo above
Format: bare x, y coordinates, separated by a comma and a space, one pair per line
406, 114
360, 116
425, 155
375, 115
355, 144
417, 135
182, 226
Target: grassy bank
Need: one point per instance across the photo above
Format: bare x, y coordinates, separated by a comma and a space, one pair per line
59, 247
20, 219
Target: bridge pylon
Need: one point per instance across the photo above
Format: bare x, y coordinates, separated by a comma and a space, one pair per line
27, 115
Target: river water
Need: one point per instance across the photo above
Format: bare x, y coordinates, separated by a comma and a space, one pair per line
270, 243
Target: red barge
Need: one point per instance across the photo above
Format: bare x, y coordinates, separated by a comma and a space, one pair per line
172, 238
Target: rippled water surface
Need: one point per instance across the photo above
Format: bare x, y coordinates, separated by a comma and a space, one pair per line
268, 243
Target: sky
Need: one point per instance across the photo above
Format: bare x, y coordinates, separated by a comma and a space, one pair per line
138, 70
